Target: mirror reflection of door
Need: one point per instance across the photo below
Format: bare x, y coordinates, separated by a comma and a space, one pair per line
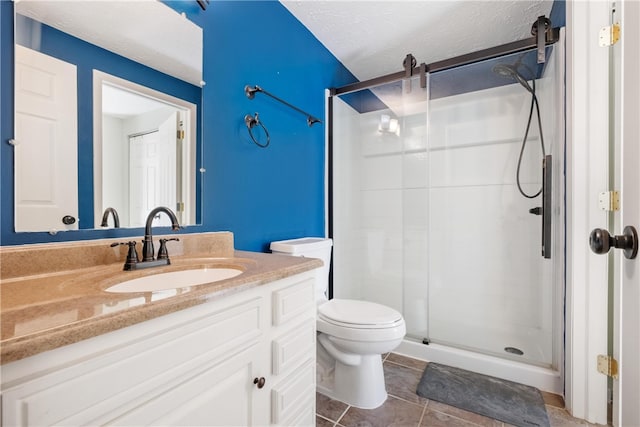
152, 172
147, 155
46, 143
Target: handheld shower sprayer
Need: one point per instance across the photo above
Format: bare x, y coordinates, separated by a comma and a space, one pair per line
511, 72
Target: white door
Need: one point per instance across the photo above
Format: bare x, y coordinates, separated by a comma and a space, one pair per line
626, 349
46, 165
140, 166
144, 167
152, 182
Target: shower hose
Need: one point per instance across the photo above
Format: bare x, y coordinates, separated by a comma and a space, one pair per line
534, 103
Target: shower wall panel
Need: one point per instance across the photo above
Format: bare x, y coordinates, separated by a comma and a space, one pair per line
485, 269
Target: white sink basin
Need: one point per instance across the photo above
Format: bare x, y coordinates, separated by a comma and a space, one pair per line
175, 279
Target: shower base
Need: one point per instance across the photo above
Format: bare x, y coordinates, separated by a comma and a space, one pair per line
545, 379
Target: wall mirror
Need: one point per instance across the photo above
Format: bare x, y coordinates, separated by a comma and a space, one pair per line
149, 137
84, 72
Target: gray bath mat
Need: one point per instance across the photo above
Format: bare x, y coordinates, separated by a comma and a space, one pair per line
510, 402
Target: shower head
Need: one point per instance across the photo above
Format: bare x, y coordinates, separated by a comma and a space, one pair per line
510, 71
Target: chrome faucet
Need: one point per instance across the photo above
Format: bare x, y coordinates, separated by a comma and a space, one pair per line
147, 243
105, 216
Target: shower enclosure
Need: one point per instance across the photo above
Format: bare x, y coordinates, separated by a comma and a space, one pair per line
427, 218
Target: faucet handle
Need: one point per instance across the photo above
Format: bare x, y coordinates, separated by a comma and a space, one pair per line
132, 255
162, 252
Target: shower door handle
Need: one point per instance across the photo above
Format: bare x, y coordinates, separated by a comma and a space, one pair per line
546, 206
601, 241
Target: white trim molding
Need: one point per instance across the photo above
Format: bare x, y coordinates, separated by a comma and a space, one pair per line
587, 176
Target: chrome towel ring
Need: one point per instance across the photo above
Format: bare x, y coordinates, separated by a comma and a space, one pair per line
253, 121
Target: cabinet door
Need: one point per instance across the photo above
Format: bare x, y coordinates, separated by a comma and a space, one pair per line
221, 395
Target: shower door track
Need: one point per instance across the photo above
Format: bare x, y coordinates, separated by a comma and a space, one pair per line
446, 64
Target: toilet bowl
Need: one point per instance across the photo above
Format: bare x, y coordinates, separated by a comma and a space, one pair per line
355, 334
352, 335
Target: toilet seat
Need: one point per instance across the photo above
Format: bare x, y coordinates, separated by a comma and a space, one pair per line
359, 314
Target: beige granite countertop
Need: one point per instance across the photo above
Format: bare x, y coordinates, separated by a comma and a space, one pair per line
43, 308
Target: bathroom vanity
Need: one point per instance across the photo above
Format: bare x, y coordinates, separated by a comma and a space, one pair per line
240, 351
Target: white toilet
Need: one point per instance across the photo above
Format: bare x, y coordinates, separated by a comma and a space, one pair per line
352, 335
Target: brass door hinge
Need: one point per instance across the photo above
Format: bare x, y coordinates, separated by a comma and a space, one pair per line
180, 206
608, 365
180, 134
609, 201
609, 35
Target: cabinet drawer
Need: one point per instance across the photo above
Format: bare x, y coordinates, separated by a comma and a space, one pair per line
306, 415
293, 347
292, 301
290, 395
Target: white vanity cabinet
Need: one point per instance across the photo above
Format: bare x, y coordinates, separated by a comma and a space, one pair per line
199, 366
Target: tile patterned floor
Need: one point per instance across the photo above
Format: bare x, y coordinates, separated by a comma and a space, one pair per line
405, 408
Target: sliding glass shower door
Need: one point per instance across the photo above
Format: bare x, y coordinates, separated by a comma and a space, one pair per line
427, 214
380, 182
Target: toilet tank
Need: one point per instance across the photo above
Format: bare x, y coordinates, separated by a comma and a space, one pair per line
309, 247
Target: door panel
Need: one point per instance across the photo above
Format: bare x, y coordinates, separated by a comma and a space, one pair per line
153, 172
144, 167
627, 274
46, 165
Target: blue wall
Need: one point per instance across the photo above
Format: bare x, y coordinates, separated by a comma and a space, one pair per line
278, 192
258, 194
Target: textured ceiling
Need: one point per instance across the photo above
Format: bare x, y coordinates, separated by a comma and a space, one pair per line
372, 38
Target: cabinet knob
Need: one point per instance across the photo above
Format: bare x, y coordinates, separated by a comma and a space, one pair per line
259, 382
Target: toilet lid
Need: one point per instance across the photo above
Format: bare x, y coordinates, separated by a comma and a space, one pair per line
358, 313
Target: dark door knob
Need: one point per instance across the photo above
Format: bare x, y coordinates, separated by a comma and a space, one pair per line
68, 220
601, 241
259, 382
